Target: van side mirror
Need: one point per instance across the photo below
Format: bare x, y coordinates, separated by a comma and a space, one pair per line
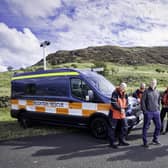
90, 95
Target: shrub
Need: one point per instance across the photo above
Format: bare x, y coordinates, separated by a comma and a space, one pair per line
74, 65
159, 70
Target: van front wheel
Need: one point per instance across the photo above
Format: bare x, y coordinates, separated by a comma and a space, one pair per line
99, 127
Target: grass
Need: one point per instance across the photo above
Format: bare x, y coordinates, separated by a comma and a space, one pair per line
5, 79
10, 128
134, 75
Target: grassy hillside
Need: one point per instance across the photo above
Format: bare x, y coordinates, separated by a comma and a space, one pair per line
113, 54
133, 75
5, 78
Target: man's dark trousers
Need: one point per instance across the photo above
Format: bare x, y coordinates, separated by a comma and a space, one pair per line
122, 131
148, 116
162, 116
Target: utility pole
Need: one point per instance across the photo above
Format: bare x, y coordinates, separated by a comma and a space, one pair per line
44, 44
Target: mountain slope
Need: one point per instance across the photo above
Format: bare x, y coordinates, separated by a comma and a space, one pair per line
122, 55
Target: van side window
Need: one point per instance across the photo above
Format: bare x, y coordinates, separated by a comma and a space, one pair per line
79, 88
30, 89
53, 87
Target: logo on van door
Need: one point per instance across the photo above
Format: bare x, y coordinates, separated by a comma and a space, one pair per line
50, 104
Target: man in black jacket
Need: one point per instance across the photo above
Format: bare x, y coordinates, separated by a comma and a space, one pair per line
150, 105
164, 111
139, 92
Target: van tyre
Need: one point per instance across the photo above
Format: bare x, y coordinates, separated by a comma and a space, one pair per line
23, 121
99, 127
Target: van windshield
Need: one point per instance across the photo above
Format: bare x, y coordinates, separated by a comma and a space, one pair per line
102, 84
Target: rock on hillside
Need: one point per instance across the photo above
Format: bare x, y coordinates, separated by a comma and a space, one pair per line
122, 55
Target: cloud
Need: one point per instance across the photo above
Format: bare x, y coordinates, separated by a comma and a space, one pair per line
3, 68
18, 48
34, 8
73, 24
124, 23
138, 38
93, 23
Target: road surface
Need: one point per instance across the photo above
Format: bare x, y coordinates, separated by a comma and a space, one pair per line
78, 149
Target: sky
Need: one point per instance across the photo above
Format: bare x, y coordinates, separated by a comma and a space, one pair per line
75, 24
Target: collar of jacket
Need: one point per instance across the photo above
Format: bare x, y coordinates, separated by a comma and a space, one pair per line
150, 88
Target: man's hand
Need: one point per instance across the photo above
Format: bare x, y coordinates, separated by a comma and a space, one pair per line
122, 110
139, 100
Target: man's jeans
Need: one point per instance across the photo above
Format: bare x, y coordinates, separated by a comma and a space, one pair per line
148, 116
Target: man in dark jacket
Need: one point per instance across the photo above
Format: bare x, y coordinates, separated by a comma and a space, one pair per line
150, 105
119, 103
164, 110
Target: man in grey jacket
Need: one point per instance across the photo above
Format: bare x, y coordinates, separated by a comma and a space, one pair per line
150, 105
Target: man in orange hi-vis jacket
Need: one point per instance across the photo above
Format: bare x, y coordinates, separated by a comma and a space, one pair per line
117, 115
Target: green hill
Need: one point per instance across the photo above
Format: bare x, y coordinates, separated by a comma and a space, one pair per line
113, 54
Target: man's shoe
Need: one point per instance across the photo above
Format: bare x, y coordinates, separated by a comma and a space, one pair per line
123, 143
161, 131
164, 133
113, 146
156, 143
145, 145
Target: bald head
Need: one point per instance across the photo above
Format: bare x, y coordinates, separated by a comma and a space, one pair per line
153, 83
142, 86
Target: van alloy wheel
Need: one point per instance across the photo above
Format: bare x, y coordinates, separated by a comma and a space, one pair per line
99, 127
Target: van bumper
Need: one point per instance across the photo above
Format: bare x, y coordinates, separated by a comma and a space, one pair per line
133, 121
